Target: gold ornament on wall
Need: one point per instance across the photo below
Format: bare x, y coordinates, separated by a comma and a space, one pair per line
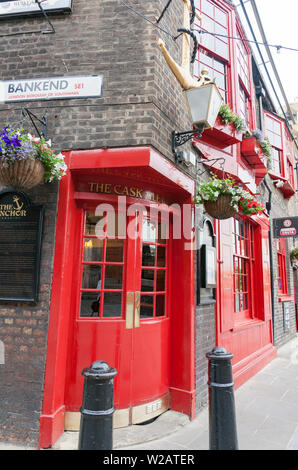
182, 72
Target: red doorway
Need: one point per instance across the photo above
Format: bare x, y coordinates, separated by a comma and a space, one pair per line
121, 311
164, 354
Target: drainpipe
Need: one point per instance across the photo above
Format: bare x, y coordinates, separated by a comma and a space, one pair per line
260, 95
268, 207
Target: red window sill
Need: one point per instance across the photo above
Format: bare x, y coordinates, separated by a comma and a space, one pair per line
285, 298
287, 189
222, 135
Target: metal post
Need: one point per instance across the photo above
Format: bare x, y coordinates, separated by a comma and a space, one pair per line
96, 428
222, 416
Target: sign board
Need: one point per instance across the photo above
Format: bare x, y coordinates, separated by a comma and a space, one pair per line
51, 88
208, 266
29, 7
285, 228
20, 247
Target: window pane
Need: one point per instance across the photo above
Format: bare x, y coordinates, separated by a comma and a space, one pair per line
220, 16
221, 48
149, 231
89, 304
113, 277
91, 221
207, 7
112, 305
161, 256
236, 303
147, 282
160, 306
93, 248
114, 251
163, 233
161, 281
148, 256
146, 307
91, 277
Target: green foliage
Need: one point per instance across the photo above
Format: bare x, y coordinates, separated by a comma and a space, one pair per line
294, 254
228, 116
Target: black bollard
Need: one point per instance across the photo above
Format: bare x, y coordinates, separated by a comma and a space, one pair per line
96, 428
222, 415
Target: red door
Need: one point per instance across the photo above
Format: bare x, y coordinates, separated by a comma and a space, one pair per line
120, 310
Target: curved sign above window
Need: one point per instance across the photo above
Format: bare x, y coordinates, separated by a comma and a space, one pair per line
29, 7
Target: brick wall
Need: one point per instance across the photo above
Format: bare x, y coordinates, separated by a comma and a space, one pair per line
141, 104
280, 208
23, 331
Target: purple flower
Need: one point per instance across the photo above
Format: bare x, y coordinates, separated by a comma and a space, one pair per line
258, 134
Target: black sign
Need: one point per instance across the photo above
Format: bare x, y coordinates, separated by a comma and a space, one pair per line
20, 247
285, 228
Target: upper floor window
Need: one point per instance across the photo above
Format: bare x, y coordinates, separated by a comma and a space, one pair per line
243, 71
281, 267
243, 261
213, 53
274, 133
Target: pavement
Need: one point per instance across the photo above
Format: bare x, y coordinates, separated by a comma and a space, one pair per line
266, 414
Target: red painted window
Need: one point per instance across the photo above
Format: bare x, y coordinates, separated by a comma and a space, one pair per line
243, 70
281, 267
213, 53
290, 159
274, 133
102, 270
243, 260
154, 269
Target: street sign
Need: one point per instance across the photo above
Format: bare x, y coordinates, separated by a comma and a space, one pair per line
30, 7
51, 88
286, 227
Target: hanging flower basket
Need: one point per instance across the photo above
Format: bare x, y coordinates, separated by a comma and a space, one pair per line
221, 208
223, 198
23, 174
26, 161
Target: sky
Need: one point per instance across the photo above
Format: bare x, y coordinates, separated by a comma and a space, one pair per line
280, 23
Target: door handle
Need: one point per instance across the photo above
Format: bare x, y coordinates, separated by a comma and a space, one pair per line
129, 311
137, 309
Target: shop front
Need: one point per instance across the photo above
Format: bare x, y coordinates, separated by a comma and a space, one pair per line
123, 288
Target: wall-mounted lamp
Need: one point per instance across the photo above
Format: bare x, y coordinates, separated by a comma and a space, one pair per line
203, 105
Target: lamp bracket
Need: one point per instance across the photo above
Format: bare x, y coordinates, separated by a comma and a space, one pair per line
180, 138
33, 118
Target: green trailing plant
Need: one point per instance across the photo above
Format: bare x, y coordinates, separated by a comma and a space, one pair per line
264, 143
228, 116
294, 254
241, 200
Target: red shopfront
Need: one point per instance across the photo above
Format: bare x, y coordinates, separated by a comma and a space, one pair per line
123, 287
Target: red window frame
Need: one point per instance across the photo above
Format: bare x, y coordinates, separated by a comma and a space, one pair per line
243, 268
103, 264
210, 55
274, 132
244, 78
157, 294
281, 267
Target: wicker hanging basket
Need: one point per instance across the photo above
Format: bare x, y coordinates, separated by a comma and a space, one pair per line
221, 208
24, 174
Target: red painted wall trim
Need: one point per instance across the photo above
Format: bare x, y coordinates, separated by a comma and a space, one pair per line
51, 423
